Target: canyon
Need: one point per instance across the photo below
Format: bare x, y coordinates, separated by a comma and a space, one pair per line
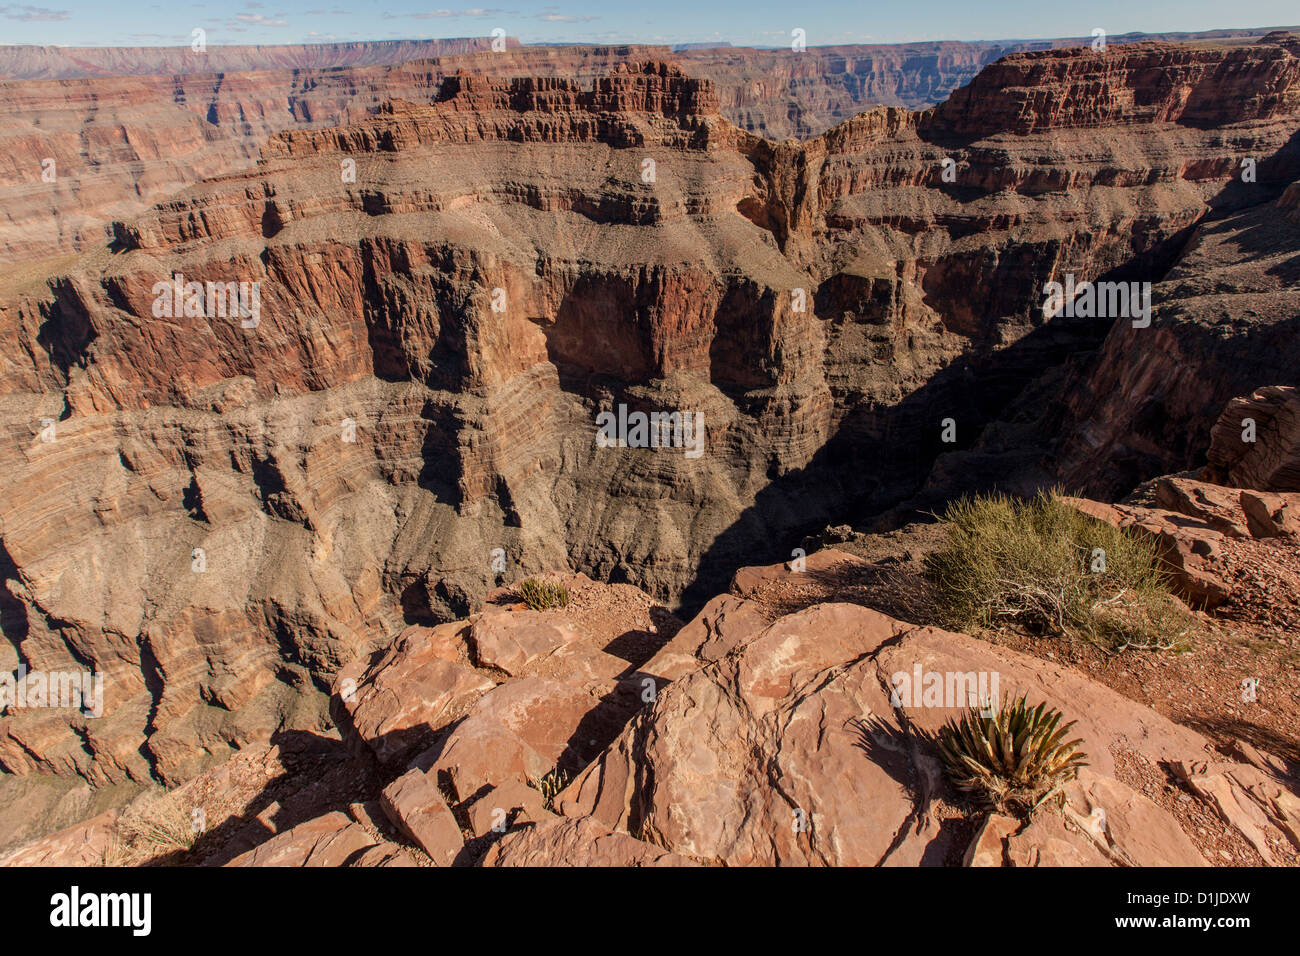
462, 263
91, 135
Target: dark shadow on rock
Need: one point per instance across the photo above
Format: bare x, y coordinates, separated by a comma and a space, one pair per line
889, 748
603, 724
637, 646
1225, 730
320, 776
880, 457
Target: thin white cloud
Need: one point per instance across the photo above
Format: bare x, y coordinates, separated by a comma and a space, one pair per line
258, 20
445, 14
32, 14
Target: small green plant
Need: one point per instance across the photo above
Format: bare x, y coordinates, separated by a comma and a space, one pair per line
1047, 567
1011, 761
550, 786
543, 595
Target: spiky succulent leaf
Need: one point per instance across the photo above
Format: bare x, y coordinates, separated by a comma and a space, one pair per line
1014, 759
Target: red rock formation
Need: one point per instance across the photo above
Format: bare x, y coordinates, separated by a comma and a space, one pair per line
823, 305
1062, 89
1256, 441
153, 120
64, 62
120, 143
751, 736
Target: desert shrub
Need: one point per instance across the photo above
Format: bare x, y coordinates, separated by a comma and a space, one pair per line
152, 829
1011, 761
543, 595
1049, 568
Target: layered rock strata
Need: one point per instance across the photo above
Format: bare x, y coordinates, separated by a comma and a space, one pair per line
216, 510
93, 135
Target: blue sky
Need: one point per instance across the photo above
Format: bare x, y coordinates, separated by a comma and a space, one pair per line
743, 22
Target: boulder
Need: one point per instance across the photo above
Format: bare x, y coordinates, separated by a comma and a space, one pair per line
1256, 441
1216, 506
329, 840
720, 626
416, 807
395, 707
519, 731
509, 641
562, 842
805, 745
512, 802
1189, 546
1271, 515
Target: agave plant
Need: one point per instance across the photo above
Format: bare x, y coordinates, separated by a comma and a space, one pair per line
1013, 760
551, 785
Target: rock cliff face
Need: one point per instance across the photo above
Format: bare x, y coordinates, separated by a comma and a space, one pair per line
1224, 323
1199, 87
124, 127
80, 153
219, 510
66, 63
